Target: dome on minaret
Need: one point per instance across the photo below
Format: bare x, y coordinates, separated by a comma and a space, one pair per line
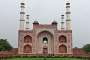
54, 22
35, 22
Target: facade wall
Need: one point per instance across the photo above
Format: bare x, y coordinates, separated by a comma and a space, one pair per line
68, 43
52, 46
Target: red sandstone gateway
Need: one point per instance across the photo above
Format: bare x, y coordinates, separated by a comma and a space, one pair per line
44, 38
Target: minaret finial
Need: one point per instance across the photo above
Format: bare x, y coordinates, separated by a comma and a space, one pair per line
22, 16
67, 0
68, 17
62, 22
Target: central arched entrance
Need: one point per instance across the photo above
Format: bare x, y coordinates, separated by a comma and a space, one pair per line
45, 43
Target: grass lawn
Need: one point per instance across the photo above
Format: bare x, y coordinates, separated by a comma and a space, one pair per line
43, 59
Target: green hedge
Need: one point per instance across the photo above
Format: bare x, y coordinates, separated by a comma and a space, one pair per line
19, 56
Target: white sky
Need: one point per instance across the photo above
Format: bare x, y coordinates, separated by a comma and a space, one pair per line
46, 11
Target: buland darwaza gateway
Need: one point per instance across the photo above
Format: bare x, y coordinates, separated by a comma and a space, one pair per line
45, 38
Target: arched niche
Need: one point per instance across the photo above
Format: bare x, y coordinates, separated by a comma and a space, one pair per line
62, 39
62, 49
45, 50
27, 39
27, 49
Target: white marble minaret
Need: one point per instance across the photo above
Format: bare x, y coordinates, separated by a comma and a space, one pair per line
22, 17
68, 17
27, 22
62, 22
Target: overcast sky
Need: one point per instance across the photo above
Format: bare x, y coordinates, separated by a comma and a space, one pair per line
46, 11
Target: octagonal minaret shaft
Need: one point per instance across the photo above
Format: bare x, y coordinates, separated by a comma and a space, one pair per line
62, 22
22, 16
68, 17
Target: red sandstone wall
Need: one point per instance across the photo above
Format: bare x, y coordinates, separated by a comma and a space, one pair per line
76, 52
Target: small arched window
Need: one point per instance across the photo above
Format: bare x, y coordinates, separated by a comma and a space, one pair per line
62, 39
27, 39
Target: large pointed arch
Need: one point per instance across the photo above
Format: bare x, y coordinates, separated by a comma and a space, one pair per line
62, 49
44, 32
27, 39
27, 49
45, 38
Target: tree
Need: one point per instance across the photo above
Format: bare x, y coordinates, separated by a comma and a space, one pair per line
86, 48
4, 45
